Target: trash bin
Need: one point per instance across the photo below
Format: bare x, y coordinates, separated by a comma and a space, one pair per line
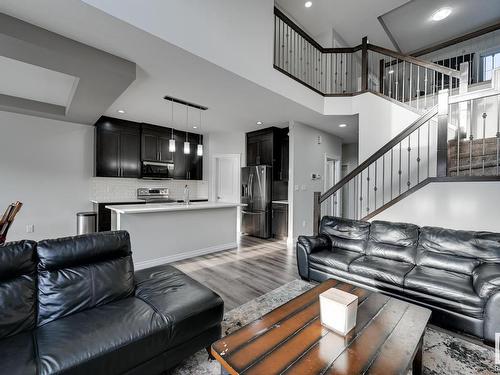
86, 222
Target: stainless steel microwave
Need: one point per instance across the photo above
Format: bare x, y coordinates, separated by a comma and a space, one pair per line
154, 170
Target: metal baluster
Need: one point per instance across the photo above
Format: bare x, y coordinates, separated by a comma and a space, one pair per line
392, 169
375, 187
274, 41
428, 149
390, 77
409, 161
418, 155
484, 134
403, 93
418, 87
285, 48
396, 83
411, 78
383, 180
471, 137
425, 90
361, 194
399, 171
368, 190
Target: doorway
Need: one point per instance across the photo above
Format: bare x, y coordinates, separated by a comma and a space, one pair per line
332, 171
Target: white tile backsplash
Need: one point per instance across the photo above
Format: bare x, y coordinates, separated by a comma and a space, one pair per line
108, 189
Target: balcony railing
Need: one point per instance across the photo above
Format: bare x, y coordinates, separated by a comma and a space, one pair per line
350, 71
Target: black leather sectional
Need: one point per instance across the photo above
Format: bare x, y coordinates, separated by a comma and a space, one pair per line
454, 273
75, 306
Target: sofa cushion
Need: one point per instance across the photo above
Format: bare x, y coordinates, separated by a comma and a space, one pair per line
18, 355
380, 269
445, 285
17, 288
188, 306
346, 234
396, 241
335, 258
456, 250
79, 273
109, 339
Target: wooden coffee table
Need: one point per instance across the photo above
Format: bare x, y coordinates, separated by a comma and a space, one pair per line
290, 339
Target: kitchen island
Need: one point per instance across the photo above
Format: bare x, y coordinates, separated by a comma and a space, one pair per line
163, 233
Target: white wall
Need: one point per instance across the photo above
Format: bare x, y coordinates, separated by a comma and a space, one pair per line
463, 205
379, 119
47, 165
237, 35
307, 157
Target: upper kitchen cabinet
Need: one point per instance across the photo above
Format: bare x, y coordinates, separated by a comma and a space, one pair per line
269, 147
155, 141
187, 166
118, 148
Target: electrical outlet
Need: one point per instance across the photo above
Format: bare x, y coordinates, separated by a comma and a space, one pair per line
30, 228
296, 187
303, 223
303, 188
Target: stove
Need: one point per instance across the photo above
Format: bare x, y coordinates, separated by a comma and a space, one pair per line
155, 195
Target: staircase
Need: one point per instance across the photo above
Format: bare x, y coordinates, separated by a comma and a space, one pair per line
456, 138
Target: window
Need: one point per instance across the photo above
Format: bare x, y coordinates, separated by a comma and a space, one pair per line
489, 64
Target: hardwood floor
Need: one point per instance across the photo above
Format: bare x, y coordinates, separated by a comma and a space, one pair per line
242, 274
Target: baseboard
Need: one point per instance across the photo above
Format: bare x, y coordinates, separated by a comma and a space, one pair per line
185, 255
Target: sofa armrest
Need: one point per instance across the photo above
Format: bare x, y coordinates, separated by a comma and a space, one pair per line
486, 279
312, 244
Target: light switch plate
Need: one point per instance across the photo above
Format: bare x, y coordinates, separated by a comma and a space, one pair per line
30, 228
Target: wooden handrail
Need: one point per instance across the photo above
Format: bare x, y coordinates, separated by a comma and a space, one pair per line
424, 64
381, 152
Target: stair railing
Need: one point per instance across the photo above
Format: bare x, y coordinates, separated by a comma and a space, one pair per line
351, 71
456, 140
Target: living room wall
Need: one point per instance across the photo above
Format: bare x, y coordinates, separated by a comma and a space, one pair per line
47, 165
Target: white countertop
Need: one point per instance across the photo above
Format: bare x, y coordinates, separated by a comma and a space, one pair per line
280, 202
107, 201
169, 207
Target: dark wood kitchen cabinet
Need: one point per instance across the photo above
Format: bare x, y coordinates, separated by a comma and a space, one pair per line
279, 220
269, 147
155, 142
118, 148
187, 166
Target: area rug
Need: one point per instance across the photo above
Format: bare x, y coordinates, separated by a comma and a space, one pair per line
443, 353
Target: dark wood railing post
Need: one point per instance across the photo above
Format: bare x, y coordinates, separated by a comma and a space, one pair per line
316, 212
364, 64
381, 72
442, 134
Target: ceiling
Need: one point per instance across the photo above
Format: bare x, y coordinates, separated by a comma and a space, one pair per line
351, 19
413, 29
407, 21
235, 104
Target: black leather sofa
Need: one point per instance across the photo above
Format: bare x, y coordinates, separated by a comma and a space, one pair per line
454, 273
75, 306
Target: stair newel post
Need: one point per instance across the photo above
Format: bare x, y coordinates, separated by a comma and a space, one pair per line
316, 212
442, 134
462, 108
364, 64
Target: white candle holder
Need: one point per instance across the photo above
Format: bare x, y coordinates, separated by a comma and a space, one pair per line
338, 310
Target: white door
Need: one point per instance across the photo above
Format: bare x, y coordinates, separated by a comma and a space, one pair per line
227, 178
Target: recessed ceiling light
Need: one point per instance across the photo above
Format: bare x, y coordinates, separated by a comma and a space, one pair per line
441, 14
121, 111
342, 125
259, 122
195, 127
308, 4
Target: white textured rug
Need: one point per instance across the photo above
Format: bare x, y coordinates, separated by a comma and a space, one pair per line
443, 352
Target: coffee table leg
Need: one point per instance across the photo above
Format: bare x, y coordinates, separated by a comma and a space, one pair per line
417, 361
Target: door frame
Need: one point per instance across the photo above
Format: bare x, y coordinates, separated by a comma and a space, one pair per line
337, 173
213, 174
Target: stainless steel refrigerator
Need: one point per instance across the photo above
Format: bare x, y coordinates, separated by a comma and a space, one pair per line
256, 185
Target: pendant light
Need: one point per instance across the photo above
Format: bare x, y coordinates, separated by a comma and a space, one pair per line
199, 149
187, 146
171, 142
